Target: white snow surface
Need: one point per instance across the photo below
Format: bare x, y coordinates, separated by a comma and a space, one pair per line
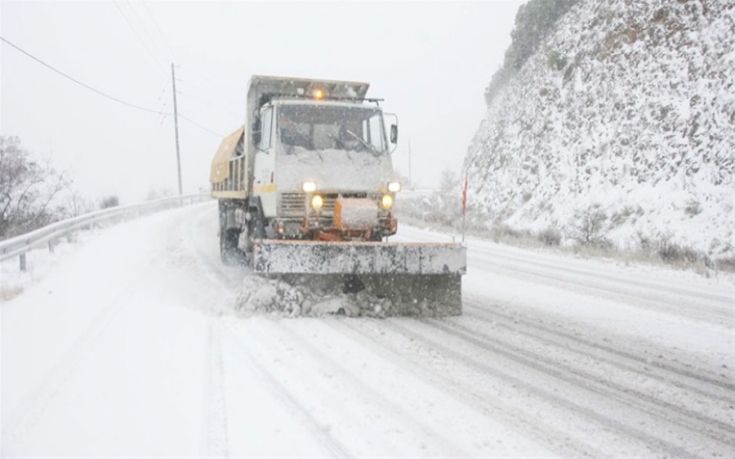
130, 346
627, 108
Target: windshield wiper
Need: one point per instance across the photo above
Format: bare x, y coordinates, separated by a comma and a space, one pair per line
367, 145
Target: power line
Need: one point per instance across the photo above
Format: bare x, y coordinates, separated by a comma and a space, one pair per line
143, 26
154, 59
184, 117
160, 31
80, 83
99, 92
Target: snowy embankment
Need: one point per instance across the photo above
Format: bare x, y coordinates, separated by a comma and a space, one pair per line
131, 346
620, 125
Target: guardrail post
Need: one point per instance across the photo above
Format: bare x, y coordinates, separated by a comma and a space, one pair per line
23, 262
51, 246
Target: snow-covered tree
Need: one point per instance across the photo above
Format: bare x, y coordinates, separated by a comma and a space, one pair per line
28, 190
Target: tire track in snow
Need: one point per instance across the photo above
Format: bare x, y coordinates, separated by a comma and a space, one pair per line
213, 269
599, 398
652, 302
669, 373
216, 436
371, 395
219, 276
467, 394
619, 281
665, 294
241, 352
633, 398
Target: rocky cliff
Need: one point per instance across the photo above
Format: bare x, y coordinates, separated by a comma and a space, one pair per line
622, 119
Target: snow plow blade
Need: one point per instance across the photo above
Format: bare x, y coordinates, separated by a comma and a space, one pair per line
416, 279
317, 257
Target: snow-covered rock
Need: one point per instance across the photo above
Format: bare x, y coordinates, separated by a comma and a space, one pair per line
627, 110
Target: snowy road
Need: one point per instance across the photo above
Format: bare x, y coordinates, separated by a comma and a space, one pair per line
130, 347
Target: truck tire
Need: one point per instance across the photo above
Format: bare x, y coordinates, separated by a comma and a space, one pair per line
229, 253
228, 236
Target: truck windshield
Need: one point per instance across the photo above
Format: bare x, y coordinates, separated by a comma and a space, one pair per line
322, 127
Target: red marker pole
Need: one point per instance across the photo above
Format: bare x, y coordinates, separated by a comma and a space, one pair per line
464, 206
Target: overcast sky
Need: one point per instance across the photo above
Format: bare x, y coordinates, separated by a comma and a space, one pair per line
430, 61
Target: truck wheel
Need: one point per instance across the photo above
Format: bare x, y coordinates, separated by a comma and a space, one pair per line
228, 250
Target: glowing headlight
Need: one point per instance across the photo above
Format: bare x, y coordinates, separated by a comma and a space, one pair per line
387, 201
317, 202
308, 187
318, 94
394, 187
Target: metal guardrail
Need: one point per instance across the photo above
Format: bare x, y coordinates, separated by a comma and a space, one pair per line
19, 245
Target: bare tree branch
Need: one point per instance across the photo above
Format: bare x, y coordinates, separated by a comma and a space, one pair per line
27, 189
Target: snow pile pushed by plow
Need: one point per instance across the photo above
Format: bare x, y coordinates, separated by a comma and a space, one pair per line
369, 296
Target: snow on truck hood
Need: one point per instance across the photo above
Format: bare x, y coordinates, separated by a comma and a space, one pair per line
333, 169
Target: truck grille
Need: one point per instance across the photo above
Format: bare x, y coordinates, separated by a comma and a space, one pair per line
292, 204
329, 201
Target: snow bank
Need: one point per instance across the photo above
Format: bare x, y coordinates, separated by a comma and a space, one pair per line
295, 298
369, 295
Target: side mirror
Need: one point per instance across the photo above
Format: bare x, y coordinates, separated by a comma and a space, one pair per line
256, 132
393, 133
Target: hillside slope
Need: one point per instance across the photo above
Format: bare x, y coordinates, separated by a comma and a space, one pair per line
626, 116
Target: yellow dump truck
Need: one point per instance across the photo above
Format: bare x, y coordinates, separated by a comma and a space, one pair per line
306, 187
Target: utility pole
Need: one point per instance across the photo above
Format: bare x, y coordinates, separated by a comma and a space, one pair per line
176, 128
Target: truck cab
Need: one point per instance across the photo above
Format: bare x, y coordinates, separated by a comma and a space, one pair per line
312, 162
322, 170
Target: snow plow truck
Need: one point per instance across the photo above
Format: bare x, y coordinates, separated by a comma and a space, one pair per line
306, 187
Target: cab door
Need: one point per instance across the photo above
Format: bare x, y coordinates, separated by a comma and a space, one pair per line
264, 184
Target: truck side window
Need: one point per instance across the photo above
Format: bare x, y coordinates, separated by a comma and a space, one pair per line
266, 123
375, 132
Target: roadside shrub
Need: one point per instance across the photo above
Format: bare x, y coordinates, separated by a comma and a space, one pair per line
550, 236
503, 231
671, 252
644, 242
726, 264
109, 201
621, 216
588, 227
